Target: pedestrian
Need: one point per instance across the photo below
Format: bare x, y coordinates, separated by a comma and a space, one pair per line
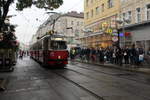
114, 57
93, 55
101, 55
126, 55
141, 56
120, 56
148, 52
72, 53
88, 53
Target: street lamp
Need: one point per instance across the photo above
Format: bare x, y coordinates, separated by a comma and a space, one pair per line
122, 21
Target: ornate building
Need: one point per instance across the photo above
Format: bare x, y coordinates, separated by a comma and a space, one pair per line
100, 22
138, 11
70, 24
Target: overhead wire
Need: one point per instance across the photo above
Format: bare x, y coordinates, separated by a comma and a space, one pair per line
28, 21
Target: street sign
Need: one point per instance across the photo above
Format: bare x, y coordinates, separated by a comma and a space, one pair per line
115, 39
121, 34
115, 34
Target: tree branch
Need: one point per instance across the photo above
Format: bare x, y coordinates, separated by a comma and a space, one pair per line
6, 9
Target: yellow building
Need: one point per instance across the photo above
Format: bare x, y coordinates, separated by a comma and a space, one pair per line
100, 22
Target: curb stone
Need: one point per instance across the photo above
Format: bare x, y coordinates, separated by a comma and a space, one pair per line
133, 69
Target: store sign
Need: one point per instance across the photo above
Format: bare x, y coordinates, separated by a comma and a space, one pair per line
121, 34
104, 25
109, 30
115, 39
115, 34
127, 33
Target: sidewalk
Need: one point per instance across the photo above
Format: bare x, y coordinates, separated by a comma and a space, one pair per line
140, 69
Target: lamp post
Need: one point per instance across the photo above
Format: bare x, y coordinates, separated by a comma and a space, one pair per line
54, 20
122, 21
70, 37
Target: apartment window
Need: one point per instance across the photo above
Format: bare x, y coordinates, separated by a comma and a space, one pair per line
123, 1
129, 15
102, 7
110, 3
87, 2
91, 13
148, 12
71, 22
124, 15
77, 23
138, 15
97, 10
87, 15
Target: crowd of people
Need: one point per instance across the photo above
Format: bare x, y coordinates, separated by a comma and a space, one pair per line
115, 55
22, 54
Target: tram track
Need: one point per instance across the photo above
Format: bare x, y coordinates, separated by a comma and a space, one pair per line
57, 72
120, 75
77, 84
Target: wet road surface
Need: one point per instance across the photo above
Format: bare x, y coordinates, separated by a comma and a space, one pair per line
77, 81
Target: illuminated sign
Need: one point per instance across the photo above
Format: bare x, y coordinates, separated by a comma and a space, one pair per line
104, 24
127, 33
109, 31
121, 34
115, 34
115, 38
58, 39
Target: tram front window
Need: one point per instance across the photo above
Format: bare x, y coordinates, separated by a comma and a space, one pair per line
58, 45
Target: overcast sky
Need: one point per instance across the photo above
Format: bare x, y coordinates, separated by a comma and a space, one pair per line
27, 19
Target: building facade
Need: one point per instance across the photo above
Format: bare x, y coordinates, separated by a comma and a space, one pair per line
100, 22
69, 24
138, 11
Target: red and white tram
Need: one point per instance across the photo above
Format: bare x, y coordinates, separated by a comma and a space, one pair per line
50, 50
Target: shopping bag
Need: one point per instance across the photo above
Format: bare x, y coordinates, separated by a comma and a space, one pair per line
141, 57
